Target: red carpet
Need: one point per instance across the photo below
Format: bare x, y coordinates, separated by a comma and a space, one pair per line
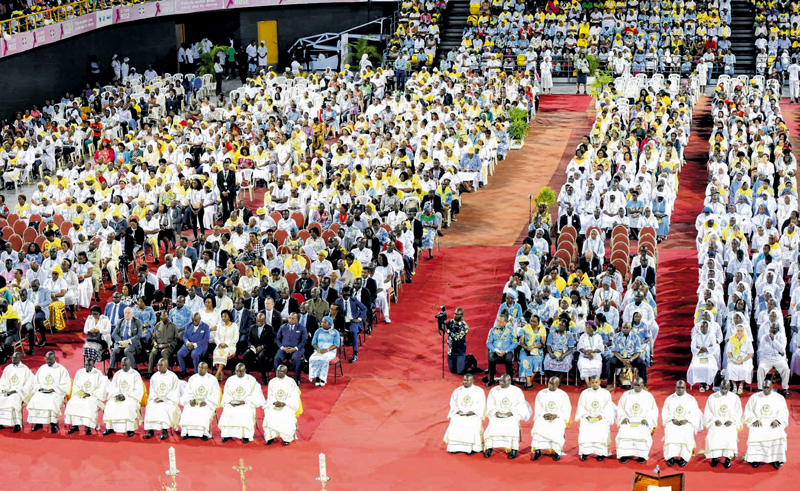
382, 426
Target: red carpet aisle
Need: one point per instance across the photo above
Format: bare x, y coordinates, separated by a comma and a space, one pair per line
677, 261
382, 428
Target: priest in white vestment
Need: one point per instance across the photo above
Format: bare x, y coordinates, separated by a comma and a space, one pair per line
596, 415
552, 412
467, 407
723, 420
767, 416
637, 417
241, 397
705, 358
162, 411
16, 388
282, 408
681, 418
88, 394
124, 404
199, 401
51, 386
505, 407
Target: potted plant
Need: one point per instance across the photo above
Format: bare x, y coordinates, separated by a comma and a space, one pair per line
518, 128
358, 49
597, 79
544, 200
206, 65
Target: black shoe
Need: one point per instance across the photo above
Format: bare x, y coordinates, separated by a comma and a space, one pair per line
682, 463
31, 351
72, 429
185, 437
535, 455
88, 431
623, 460
777, 465
109, 373
164, 434
583, 457
182, 374
727, 464
205, 438
108, 432
755, 465
600, 458
17, 429
641, 460
36, 427
714, 462
270, 441
487, 453
149, 434
53, 428
42, 343
225, 439
556, 456
512, 455
245, 441
671, 462
785, 393
285, 444
353, 359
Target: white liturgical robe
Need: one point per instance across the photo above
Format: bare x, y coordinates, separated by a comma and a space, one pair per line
196, 420
19, 380
162, 411
240, 421
464, 432
124, 415
679, 440
596, 414
722, 441
635, 436
549, 435
282, 421
45, 408
88, 394
765, 443
503, 432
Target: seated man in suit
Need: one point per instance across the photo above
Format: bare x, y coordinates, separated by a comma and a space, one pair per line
304, 284
126, 337
286, 304
245, 320
174, 290
311, 324
260, 347
195, 343
291, 341
354, 313
189, 251
144, 288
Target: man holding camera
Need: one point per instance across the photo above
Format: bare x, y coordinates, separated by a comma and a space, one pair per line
456, 329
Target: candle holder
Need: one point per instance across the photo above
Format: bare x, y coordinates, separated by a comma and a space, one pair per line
172, 472
323, 480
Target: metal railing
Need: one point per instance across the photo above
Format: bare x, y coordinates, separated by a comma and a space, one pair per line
23, 23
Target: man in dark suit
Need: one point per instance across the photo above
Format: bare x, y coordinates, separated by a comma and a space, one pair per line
134, 239
195, 343
291, 341
355, 313
126, 337
334, 251
304, 284
174, 290
226, 185
189, 251
310, 322
436, 202
363, 295
326, 292
260, 347
245, 320
219, 256
115, 310
569, 218
144, 288
281, 304
272, 315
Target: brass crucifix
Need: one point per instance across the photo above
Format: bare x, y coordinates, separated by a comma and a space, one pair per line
241, 469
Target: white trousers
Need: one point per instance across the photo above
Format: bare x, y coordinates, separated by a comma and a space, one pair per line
780, 365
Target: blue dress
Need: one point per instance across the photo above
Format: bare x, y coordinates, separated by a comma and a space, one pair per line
559, 343
530, 364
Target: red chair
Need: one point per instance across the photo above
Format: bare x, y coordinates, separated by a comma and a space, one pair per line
314, 278
385, 227
35, 218
308, 261
275, 216
336, 363
299, 297
58, 220
223, 231
29, 235
3, 223
315, 225
569, 230
291, 278
7, 232
326, 235
40, 240
19, 227
16, 242
280, 236
285, 250
303, 234
241, 268
299, 219
334, 227
198, 275
12, 218
65, 227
